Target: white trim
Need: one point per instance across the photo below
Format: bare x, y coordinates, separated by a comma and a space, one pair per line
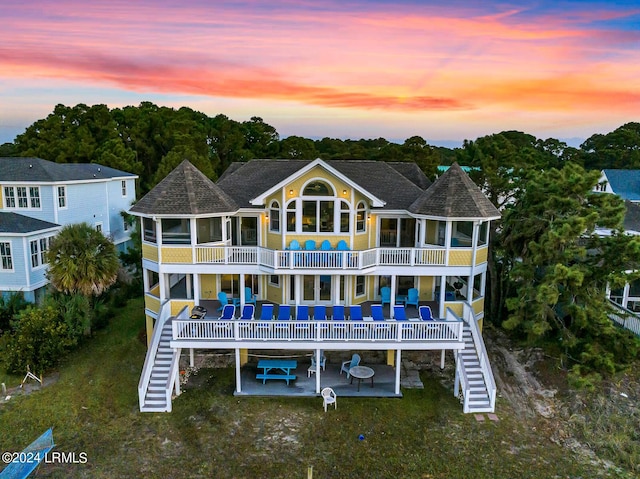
260, 199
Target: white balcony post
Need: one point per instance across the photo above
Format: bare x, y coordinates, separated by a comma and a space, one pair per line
191, 357
242, 286
393, 294
398, 367
238, 377
318, 358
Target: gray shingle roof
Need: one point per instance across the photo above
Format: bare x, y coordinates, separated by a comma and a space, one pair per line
412, 172
398, 189
632, 217
454, 195
185, 191
20, 224
37, 170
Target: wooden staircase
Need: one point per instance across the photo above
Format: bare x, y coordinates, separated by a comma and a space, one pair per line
157, 398
479, 399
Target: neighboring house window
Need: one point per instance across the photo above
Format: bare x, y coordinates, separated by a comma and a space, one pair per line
9, 197
125, 224
23, 202
34, 193
6, 262
62, 197
124, 187
27, 197
361, 217
360, 281
39, 250
99, 227
274, 217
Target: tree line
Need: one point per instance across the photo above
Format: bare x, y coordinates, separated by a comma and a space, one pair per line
548, 269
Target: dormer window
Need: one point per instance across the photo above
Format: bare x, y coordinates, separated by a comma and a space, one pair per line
318, 188
361, 217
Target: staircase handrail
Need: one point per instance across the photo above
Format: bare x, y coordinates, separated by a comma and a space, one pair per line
145, 376
629, 320
175, 365
470, 317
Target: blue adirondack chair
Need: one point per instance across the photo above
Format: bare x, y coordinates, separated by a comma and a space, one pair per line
385, 293
413, 297
249, 297
284, 312
399, 313
224, 299
347, 365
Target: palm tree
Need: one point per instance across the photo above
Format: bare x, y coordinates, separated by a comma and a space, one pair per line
82, 260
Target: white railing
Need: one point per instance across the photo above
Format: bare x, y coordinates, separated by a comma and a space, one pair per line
145, 376
319, 259
485, 366
461, 381
393, 331
173, 379
625, 318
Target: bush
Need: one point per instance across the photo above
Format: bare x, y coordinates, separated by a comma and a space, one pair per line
9, 308
40, 338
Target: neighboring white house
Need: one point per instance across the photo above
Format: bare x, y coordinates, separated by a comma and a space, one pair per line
38, 197
624, 183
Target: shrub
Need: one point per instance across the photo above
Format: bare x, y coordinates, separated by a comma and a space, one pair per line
40, 338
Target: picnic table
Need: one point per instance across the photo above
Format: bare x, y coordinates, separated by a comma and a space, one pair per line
277, 369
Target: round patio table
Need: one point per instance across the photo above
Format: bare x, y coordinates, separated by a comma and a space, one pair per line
360, 373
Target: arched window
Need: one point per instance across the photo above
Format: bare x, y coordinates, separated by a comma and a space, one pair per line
274, 217
291, 216
344, 217
361, 217
318, 188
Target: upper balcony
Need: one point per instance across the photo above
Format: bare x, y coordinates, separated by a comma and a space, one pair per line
284, 261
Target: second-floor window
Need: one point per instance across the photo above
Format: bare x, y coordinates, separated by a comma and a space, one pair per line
22, 197
62, 197
361, 217
149, 228
124, 187
274, 217
39, 250
6, 261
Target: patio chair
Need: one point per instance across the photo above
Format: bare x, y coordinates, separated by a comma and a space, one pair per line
413, 297
266, 314
319, 312
329, 398
355, 312
343, 246
325, 245
385, 293
399, 313
302, 312
297, 257
248, 311
228, 312
302, 325
323, 360
249, 297
328, 259
376, 312
310, 245
347, 365
284, 312
338, 324
338, 312
224, 299
294, 245
425, 313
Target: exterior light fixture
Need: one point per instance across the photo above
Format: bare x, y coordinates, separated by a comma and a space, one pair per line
290, 192
344, 192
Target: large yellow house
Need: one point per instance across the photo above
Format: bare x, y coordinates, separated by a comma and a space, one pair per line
334, 236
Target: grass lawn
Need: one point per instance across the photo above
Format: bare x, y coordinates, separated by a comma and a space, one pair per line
93, 408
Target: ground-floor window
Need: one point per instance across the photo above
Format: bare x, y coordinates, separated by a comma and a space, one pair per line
360, 285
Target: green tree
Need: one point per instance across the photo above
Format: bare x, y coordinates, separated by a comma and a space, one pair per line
560, 267
81, 260
617, 149
298, 148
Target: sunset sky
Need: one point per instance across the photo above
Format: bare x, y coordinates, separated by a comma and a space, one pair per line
342, 69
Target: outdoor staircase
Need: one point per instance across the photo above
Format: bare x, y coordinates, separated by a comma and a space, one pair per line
156, 398
479, 397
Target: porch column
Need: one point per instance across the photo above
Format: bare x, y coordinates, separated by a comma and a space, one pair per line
191, 357
393, 294
318, 358
189, 286
443, 286
238, 379
625, 295
398, 366
442, 359
196, 288
242, 283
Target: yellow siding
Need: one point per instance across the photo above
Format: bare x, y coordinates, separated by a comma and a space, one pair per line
391, 357
152, 303
274, 240
149, 327
274, 294
480, 324
208, 288
155, 290
176, 306
150, 252
460, 257
455, 307
478, 305
426, 288
481, 255
177, 255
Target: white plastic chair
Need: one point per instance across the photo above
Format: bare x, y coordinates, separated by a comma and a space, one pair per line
328, 398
